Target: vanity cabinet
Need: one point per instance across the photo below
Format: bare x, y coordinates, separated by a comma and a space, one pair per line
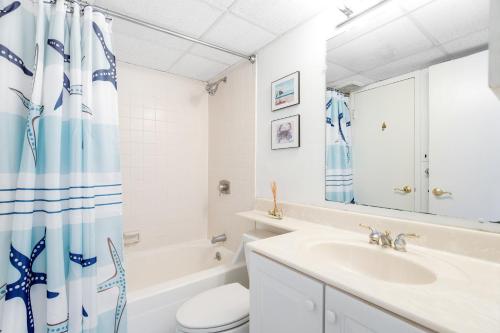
347, 314
283, 300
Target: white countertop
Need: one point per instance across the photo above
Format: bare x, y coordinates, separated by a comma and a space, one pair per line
464, 298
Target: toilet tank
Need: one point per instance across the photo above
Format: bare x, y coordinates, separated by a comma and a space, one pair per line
247, 237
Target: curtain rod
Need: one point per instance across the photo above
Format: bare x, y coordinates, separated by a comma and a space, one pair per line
151, 26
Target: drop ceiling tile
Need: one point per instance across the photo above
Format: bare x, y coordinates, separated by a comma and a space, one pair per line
364, 24
236, 34
475, 41
149, 35
447, 20
197, 67
191, 17
130, 49
215, 55
389, 43
406, 65
277, 16
335, 72
410, 5
357, 80
222, 4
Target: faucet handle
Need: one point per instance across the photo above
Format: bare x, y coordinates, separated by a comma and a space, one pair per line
399, 243
374, 234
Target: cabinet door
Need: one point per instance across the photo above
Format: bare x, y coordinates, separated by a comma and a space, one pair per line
283, 300
346, 314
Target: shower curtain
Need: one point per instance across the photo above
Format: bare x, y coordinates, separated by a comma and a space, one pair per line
61, 267
338, 175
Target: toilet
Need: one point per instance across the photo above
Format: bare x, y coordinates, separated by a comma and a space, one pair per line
223, 309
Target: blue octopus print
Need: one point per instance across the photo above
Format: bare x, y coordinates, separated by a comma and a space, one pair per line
34, 112
117, 280
105, 74
27, 278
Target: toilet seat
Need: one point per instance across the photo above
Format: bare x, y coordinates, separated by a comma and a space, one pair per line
216, 310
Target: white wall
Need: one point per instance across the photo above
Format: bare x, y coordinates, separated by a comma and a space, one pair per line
299, 172
232, 153
164, 154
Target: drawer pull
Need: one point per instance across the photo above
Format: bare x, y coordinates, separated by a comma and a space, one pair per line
331, 317
310, 305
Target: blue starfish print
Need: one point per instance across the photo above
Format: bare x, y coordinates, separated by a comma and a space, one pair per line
3, 291
59, 47
15, 59
78, 258
22, 287
10, 8
117, 280
105, 74
61, 327
34, 112
66, 85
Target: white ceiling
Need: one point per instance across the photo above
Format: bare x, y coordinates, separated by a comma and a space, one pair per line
405, 35
240, 25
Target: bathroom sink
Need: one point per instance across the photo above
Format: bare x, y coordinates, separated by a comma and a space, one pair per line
371, 260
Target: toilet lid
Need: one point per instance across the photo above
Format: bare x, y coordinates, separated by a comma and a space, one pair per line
226, 306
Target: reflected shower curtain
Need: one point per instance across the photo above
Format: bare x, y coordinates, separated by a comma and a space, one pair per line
61, 266
338, 149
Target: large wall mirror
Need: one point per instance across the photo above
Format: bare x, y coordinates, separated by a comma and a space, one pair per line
411, 123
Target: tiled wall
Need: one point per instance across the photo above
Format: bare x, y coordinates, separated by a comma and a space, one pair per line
164, 154
232, 153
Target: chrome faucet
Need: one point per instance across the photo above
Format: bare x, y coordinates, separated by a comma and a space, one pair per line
219, 238
399, 244
385, 239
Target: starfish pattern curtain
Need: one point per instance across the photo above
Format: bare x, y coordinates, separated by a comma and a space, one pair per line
61, 267
338, 178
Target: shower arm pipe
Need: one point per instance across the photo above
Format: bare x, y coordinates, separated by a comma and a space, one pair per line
155, 27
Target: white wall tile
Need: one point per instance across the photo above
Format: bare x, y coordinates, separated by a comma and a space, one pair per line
162, 165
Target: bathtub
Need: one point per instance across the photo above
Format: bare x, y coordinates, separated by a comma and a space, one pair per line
161, 278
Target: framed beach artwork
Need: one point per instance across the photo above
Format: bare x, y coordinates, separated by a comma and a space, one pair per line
285, 133
286, 91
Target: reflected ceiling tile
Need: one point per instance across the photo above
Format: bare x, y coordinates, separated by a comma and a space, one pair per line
237, 34
335, 72
406, 65
197, 67
369, 22
389, 43
357, 80
447, 20
277, 16
475, 41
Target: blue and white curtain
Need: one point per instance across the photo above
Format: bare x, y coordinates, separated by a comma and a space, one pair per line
338, 149
61, 265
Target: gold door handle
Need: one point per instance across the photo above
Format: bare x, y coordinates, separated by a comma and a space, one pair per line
405, 189
439, 192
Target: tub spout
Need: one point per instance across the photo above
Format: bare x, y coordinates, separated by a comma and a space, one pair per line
219, 238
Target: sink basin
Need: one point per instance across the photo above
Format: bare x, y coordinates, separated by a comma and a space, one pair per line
372, 261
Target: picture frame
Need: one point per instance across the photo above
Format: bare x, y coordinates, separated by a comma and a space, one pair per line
285, 132
285, 92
